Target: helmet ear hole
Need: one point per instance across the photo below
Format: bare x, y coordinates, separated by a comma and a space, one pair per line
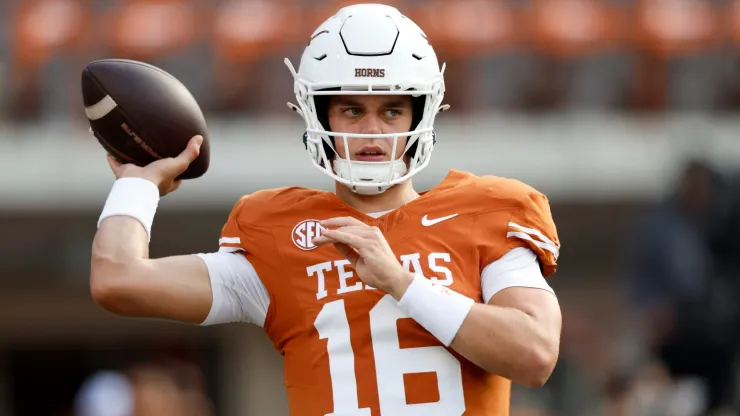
417, 105
321, 102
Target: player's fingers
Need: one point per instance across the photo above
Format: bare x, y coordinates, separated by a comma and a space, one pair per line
360, 232
193, 149
175, 185
114, 164
338, 236
324, 239
191, 152
369, 235
348, 252
363, 231
342, 222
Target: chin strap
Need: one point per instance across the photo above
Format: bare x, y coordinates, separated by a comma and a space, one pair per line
359, 173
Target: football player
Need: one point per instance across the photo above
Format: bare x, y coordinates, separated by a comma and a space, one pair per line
382, 300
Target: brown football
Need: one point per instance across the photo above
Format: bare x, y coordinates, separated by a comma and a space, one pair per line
140, 113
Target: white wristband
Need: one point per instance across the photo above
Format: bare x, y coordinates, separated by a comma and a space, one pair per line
439, 310
133, 197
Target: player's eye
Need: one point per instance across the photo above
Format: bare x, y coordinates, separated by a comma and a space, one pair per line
392, 113
352, 112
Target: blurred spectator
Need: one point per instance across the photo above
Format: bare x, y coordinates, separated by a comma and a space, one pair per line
145, 389
483, 43
677, 286
586, 62
47, 43
684, 66
105, 393
250, 38
169, 34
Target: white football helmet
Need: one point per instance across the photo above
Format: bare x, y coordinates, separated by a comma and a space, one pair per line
368, 49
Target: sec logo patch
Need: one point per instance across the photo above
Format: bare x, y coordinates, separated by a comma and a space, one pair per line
304, 232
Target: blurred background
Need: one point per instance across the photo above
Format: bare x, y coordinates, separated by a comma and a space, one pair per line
622, 111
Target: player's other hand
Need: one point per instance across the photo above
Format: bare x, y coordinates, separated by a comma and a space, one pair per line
369, 253
164, 172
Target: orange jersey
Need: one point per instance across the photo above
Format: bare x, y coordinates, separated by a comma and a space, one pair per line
348, 348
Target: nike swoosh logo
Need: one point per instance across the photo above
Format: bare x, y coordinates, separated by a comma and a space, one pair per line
427, 222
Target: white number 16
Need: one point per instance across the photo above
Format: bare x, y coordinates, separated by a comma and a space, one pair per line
391, 363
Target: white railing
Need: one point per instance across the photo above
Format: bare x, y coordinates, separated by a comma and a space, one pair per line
569, 157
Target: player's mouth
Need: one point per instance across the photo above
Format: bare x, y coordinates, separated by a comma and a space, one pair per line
370, 154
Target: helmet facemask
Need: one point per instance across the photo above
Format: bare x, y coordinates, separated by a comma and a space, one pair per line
365, 177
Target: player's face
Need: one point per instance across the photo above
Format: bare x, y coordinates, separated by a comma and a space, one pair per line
370, 114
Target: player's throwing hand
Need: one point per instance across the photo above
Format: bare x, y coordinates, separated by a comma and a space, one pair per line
369, 253
164, 172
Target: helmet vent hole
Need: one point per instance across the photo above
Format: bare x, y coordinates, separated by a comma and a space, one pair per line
320, 58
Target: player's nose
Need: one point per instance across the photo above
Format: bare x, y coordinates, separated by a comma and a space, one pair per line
371, 124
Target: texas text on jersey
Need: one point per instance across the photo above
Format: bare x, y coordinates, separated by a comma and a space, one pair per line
348, 348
